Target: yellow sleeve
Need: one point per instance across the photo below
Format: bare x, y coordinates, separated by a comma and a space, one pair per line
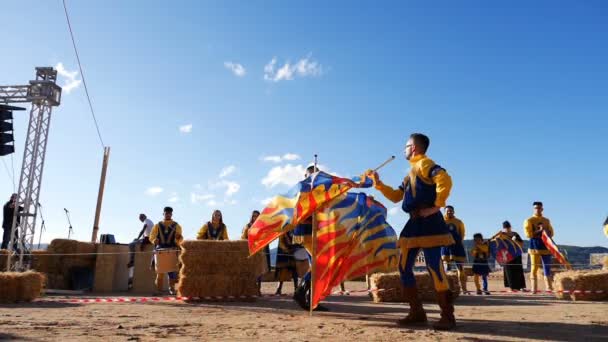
549, 228
606, 229
202, 232
393, 195
178, 235
225, 234
528, 229
153, 233
443, 181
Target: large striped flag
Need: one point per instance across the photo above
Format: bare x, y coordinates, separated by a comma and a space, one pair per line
504, 248
552, 247
285, 212
353, 239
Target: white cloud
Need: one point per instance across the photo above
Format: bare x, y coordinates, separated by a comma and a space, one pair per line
186, 128
274, 159
212, 203
231, 187
285, 157
227, 171
305, 67
174, 198
236, 68
71, 82
287, 175
153, 191
197, 198
393, 211
266, 201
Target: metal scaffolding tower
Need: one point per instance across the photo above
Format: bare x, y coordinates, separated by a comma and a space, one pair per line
44, 94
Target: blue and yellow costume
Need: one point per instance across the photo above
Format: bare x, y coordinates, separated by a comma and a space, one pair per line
166, 234
456, 252
208, 232
481, 268
538, 251
427, 185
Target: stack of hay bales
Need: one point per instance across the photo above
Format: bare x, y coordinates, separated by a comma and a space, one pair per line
219, 269
20, 286
389, 288
60, 267
111, 272
585, 280
3, 259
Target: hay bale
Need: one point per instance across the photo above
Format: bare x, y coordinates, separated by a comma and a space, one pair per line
3, 259
217, 285
219, 269
605, 267
391, 289
70, 255
585, 280
220, 257
20, 286
41, 261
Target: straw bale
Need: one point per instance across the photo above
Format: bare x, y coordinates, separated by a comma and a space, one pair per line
392, 289
60, 266
3, 259
217, 285
143, 275
605, 263
583, 280
20, 286
220, 257
111, 272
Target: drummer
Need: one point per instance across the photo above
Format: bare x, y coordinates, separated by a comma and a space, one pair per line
166, 234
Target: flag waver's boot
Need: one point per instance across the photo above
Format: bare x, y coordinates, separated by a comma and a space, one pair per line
416, 316
447, 320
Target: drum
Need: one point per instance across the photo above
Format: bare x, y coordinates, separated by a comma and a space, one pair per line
300, 254
166, 260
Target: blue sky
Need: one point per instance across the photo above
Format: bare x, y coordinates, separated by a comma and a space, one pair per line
512, 95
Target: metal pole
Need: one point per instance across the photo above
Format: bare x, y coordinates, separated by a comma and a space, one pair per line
102, 184
42, 226
314, 243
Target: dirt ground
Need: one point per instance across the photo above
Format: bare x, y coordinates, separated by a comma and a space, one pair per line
480, 318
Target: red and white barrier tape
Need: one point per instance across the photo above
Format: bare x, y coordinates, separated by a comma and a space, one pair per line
219, 298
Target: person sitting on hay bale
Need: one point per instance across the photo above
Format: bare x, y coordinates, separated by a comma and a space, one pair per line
245, 236
423, 192
142, 239
534, 227
166, 236
214, 229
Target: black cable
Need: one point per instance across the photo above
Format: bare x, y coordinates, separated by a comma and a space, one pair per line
67, 17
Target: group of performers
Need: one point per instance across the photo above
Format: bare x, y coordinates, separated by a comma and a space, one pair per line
423, 192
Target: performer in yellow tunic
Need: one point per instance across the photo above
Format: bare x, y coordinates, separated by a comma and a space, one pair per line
538, 252
423, 191
214, 229
166, 234
456, 252
606, 227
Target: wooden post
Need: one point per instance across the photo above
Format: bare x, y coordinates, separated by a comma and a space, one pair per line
102, 183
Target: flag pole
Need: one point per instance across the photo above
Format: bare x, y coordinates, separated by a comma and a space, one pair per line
386, 162
314, 244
